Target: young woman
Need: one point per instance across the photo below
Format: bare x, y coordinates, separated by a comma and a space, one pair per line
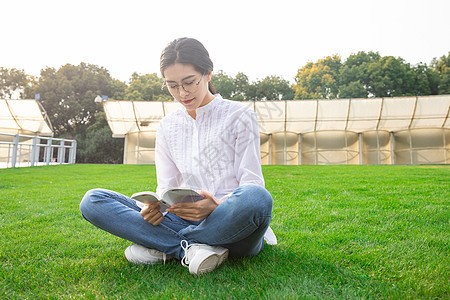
211, 145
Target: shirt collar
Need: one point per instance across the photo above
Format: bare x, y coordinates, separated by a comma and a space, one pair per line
210, 105
206, 108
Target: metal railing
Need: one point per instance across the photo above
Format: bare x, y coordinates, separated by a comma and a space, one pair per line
17, 150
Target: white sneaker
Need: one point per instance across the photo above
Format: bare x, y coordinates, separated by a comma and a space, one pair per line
201, 258
138, 254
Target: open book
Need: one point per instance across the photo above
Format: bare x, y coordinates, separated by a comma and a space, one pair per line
169, 197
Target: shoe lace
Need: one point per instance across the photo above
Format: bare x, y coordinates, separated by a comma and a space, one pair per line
185, 246
156, 252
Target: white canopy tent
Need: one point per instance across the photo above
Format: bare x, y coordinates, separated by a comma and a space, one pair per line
24, 117
26, 136
406, 130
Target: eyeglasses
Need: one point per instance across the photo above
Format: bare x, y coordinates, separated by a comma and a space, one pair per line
189, 86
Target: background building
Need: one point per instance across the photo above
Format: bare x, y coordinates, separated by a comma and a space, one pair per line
399, 130
26, 136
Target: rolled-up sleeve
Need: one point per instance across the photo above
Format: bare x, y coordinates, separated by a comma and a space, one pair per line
247, 163
167, 173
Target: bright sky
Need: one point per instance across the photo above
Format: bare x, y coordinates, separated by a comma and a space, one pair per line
259, 38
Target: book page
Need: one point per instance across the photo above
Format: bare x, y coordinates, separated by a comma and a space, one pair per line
145, 197
148, 197
179, 195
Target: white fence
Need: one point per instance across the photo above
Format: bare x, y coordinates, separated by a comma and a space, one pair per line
18, 150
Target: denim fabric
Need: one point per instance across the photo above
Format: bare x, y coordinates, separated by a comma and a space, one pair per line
238, 223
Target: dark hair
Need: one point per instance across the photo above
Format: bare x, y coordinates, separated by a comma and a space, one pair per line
187, 51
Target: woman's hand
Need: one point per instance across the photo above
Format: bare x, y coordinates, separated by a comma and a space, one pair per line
196, 211
152, 214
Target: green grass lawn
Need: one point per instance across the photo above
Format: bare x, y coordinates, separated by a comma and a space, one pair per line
343, 232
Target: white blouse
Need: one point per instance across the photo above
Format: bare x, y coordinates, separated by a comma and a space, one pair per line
216, 152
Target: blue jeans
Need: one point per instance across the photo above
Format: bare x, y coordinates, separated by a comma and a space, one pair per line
238, 223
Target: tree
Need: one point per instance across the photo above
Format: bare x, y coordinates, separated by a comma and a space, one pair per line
390, 77
12, 83
118, 89
98, 146
148, 87
442, 66
369, 74
239, 88
426, 81
354, 78
68, 95
274, 88
318, 80
241, 85
224, 84
353, 89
